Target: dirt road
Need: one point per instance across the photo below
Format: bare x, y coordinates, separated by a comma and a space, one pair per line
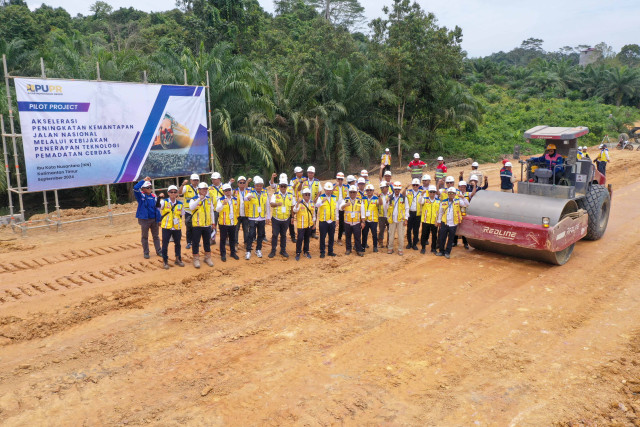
93, 334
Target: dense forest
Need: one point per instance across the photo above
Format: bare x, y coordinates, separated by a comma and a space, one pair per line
315, 83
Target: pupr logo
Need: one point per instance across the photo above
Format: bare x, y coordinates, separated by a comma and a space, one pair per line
44, 89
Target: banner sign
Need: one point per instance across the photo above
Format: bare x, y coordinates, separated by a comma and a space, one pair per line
81, 133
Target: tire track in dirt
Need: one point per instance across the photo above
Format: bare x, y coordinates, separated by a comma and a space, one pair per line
21, 293
72, 255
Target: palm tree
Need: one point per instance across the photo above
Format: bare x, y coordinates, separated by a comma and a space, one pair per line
619, 83
544, 80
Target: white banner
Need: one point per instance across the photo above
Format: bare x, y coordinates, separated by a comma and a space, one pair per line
80, 133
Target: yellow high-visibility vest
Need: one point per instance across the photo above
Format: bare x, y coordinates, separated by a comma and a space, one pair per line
304, 216
371, 209
226, 217
430, 210
171, 215
283, 212
201, 215
457, 214
327, 210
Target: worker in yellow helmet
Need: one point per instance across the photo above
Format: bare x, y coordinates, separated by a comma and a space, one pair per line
305, 213
171, 223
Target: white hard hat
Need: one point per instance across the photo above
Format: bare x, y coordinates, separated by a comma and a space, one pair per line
202, 185
283, 177
440, 158
462, 183
451, 190
242, 178
311, 169
449, 179
172, 187
361, 180
506, 165
416, 156
426, 177
601, 145
340, 175
352, 188
146, 184
432, 188
387, 173
297, 169
328, 186
383, 184
195, 176
397, 185
306, 191
351, 178
364, 172
258, 180
369, 187
386, 149
216, 175
473, 178
474, 164
415, 181
283, 182
226, 187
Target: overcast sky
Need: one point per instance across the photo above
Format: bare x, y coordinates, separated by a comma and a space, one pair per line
487, 25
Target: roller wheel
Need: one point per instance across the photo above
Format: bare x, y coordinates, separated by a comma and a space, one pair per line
597, 203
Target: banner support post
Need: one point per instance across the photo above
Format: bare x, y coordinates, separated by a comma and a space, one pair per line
6, 171
98, 70
44, 76
109, 204
210, 131
144, 76
55, 192
185, 76
13, 140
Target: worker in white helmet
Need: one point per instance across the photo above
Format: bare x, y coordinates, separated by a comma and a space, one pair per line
313, 184
148, 216
370, 202
474, 185
416, 166
171, 224
361, 184
449, 217
241, 194
387, 176
296, 185
305, 218
585, 153
441, 172
365, 174
413, 223
474, 171
215, 192
383, 204
282, 203
397, 215
189, 190
507, 179
227, 209
464, 193
341, 191
259, 212
385, 162
328, 210
203, 218
430, 204
354, 216
602, 159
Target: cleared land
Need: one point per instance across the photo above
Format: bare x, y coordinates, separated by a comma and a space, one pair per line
93, 334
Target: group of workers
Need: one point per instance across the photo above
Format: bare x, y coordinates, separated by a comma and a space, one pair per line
303, 205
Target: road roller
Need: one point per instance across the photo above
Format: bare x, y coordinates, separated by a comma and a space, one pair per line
554, 205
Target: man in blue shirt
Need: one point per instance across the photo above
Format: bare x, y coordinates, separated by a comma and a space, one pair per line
148, 216
506, 178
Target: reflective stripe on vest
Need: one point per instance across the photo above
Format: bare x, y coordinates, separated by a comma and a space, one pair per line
457, 215
352, 211
304, 216
287, 203
401, 209
430, 210
201, 216
371, 209
226, 216
257, 203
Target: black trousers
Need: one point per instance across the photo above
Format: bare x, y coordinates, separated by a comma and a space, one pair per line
356, 232
429, 230
464, 240
602, 167
243, 221
446, 235
205, 234
373, 226
227, 231
327, 230
166, 236
292, 230
279, 228
189, 226
340, 224
255, 226
303, 237
413, 227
